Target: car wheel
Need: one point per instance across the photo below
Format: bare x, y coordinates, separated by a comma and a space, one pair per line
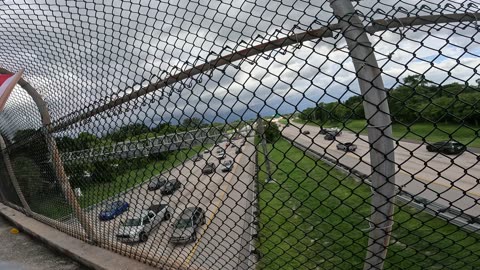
194, 237
143, 237
167, 216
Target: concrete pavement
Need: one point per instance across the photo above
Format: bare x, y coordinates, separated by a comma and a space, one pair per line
21, 252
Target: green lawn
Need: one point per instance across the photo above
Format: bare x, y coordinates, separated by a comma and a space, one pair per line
101, 191
418, 131
314, 218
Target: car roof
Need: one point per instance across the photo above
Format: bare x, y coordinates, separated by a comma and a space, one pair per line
188, 212
138, 213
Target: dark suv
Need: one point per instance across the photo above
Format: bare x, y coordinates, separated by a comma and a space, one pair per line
185, 228
447, 147
156, 183
170, 187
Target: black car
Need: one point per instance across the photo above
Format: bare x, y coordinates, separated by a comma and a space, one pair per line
170, 187
347, 147
185, 228
209, 168
447, 147
198, 157
305, 132
227, 166
157, 183
329, 137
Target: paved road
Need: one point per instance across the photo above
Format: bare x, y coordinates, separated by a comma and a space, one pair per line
227, 199
20, 252
436, 177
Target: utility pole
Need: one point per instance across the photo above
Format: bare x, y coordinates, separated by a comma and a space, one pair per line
261, 130
378, 118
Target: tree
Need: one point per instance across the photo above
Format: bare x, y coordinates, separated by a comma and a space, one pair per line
128, 131
86, 140
65, 144
192, 123
272, 132
23, 134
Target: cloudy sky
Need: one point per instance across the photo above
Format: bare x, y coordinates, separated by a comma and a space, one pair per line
79, 52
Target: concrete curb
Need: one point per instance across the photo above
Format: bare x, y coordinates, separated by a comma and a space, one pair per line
88, 255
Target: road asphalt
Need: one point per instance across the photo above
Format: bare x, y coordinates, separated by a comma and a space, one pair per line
225, 196
447, 180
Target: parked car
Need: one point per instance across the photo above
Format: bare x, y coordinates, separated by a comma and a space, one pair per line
334, 131
221, 155
156, 183
220, 150
206, 151
322, 131
238, 151
170, 187
227, 165
305, 132
209, 168
185, 228
113, 210
197, 157
347, 147
138, 228
329, 137
447, 147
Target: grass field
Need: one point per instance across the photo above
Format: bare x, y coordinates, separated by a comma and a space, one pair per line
314, 218
418, 131
55, 206
101, 191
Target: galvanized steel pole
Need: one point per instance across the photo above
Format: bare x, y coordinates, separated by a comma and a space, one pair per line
378, 118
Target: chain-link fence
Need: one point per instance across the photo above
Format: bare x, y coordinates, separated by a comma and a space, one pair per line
248, 134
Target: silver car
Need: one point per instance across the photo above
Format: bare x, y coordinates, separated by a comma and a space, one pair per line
137, 228
185, 228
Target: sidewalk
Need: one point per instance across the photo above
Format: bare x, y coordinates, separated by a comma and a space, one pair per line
20, 251
91, 256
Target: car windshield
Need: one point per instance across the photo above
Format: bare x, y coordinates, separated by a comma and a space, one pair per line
183, 223
112, 206
132, 222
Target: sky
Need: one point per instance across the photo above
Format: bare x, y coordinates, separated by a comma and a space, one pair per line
80, 52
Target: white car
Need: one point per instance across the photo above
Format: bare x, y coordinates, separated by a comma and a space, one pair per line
137, 228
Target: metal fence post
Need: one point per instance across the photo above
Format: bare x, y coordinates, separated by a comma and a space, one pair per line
56, 159
378, 118
261, 130
13, 178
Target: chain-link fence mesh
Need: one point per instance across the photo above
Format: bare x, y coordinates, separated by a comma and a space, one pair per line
248, 134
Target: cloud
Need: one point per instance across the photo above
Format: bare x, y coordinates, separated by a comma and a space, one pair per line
76, 53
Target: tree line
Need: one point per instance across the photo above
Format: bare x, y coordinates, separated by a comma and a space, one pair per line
416, 100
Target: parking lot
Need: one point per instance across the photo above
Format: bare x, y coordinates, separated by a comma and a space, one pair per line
226, 197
